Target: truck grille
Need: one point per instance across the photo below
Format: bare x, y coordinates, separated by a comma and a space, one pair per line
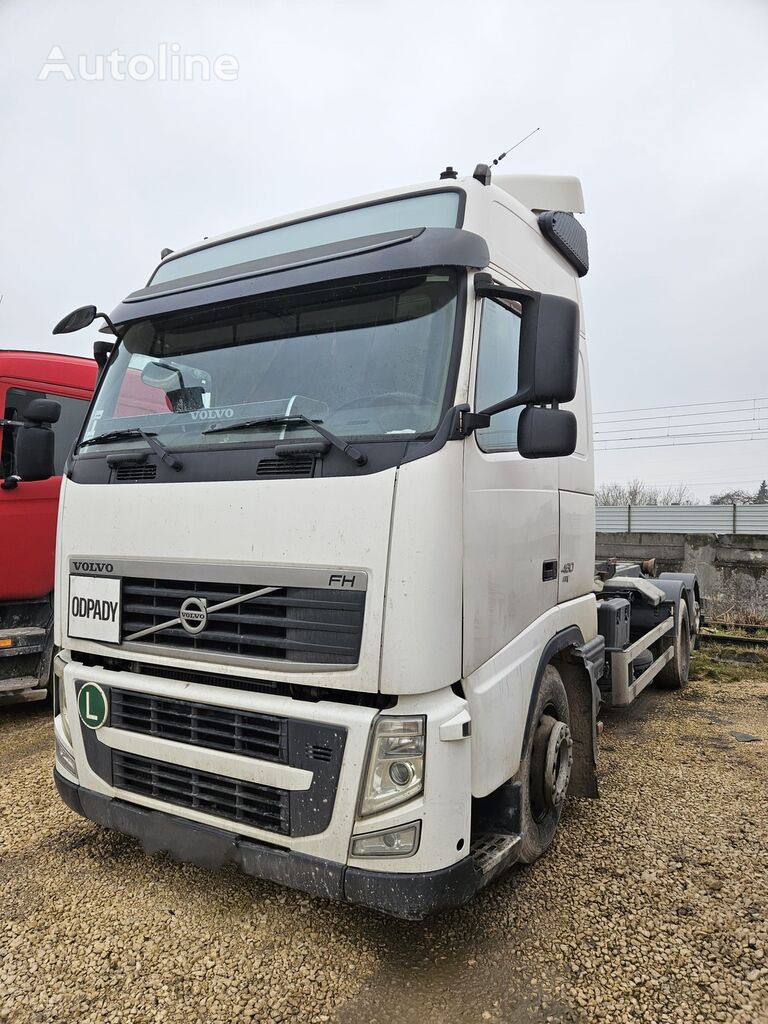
316, 747
289, 624
238, 732
246, 802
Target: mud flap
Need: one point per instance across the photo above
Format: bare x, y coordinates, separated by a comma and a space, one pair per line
580, 670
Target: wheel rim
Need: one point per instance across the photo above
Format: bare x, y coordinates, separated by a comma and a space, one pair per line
551, 762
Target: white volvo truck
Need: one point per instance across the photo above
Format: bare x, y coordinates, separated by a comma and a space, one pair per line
326, 593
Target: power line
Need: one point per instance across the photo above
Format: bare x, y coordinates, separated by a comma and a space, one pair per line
682, 405
697, 433
678, 444
688, 415
672, 426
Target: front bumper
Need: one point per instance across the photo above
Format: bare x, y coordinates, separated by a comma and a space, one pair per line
409, 896
25, 663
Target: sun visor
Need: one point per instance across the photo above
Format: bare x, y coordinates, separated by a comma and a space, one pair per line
411, 249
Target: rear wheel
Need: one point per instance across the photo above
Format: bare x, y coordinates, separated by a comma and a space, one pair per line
546, 768
696, 624
674, 675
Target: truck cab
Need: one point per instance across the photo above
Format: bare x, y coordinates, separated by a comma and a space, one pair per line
325, 579
28, 512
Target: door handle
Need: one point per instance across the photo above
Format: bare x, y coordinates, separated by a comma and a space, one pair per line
549, 570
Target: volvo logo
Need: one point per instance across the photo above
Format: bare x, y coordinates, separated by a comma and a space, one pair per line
212, 414
93, 567
194, 614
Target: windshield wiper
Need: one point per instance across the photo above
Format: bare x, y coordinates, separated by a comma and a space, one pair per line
135, 432
296, 418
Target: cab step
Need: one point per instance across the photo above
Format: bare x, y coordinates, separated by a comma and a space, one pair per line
493, 852
21, 690
18, 683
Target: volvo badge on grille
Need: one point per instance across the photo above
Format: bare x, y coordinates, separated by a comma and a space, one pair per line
194, 614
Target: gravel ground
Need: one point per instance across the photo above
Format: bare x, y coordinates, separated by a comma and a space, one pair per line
652, 906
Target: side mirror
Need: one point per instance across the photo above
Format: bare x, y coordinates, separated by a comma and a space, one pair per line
101, 353
35, 440
548, 363
76, 320
82, 317
546, 433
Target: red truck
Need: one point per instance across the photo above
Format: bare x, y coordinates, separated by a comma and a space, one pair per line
28, 514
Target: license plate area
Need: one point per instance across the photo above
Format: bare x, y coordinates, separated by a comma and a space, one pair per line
95, 608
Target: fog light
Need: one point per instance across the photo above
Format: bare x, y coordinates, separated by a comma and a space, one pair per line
60, 701
395, 842
401, 773
65, 758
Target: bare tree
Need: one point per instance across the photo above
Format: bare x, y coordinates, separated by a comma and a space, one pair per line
738, 497
635, 492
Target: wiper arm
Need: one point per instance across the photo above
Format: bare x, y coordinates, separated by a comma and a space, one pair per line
262, 421
353, 453
135, 432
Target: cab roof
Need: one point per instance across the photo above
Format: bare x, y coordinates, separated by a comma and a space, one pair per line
529, 192
48, 368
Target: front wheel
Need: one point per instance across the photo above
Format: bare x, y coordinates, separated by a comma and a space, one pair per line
545, 770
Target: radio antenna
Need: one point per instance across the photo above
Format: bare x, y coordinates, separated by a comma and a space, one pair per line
501, 157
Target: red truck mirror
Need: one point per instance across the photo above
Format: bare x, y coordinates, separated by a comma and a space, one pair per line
35, 440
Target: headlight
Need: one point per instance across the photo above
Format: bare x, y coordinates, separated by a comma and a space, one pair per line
395, 763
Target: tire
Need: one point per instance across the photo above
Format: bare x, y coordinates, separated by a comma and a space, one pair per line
674, 675
546, 768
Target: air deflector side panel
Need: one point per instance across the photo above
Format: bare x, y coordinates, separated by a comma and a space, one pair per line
421, 649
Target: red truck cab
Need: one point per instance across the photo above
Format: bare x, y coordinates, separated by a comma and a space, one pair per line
28, 512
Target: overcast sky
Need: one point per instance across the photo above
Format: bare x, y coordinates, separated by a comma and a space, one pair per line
659, 106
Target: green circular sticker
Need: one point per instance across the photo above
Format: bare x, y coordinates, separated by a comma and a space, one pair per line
92, 705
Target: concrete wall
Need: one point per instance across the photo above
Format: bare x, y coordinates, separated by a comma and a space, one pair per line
732, 569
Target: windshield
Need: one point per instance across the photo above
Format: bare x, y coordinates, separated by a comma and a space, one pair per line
368, 360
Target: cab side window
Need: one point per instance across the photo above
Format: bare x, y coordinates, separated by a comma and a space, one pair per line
497, 375
73, 412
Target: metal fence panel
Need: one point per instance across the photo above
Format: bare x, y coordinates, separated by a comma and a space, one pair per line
751, 519
612, 519
682, 519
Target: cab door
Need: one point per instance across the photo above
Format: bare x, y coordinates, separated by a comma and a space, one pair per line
28, 509
511, 505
